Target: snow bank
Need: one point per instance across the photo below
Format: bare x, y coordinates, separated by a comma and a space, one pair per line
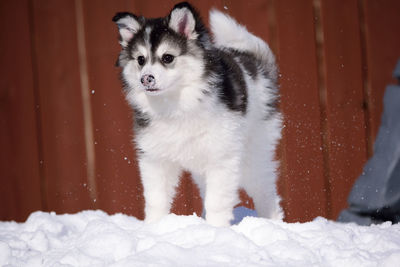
93, 238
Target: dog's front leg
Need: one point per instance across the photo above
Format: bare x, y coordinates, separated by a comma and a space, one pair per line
221, 194
159, 179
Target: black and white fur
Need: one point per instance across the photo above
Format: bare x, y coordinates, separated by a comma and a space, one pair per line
202, 104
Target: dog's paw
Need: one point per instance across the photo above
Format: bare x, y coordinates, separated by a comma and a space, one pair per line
219, 219
153, 215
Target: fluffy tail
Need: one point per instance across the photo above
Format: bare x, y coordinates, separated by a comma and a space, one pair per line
230, 34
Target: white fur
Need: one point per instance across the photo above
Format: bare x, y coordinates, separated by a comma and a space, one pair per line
223, 150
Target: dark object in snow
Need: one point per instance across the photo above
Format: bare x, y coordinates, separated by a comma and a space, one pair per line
375, 196
241, 212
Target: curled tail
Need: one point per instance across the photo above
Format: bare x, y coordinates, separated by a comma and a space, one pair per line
230, 34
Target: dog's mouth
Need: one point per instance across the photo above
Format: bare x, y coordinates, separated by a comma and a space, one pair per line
153, 91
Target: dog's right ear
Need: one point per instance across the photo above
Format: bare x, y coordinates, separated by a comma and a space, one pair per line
128, 25
184, 20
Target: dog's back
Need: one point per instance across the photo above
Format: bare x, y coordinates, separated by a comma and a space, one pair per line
263, 126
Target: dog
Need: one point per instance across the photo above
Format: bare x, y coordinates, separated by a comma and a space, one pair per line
207, 104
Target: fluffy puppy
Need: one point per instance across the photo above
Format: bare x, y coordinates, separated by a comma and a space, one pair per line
202, 104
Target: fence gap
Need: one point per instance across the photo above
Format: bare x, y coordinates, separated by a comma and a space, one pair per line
38, 108
365, 80
319, 43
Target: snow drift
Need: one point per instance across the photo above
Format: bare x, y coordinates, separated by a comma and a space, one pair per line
93, 238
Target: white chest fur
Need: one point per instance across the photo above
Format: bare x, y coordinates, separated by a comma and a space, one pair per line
192, 142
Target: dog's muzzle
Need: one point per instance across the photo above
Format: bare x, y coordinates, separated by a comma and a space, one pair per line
148, 80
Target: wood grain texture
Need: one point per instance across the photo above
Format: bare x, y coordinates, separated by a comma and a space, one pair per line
20, 190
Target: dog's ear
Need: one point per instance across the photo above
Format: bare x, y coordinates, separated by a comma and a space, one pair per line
128, 25
184, 20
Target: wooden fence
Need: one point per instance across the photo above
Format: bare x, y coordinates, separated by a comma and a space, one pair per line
66, 131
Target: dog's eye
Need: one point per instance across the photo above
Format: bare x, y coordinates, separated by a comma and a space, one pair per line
167, 58
141, 60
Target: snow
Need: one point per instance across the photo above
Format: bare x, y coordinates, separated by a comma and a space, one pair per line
93, 238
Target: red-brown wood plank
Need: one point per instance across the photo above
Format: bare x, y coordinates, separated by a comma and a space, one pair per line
64, 155
154, 8
20, 190
304, 196
382, 50
346, 134
117, 176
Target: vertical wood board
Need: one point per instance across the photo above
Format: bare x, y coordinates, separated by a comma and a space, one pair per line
346, 129
20, 190
60, 103
118, 181
303, 169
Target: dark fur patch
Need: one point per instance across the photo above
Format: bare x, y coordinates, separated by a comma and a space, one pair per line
231, 87
121, 15
273, 104
142, 120
162, 33
254, 67
248, 61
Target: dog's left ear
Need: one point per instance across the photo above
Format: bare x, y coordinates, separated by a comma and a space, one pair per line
128, 25
183, 19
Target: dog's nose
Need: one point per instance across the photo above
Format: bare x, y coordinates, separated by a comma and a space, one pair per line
148, 80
